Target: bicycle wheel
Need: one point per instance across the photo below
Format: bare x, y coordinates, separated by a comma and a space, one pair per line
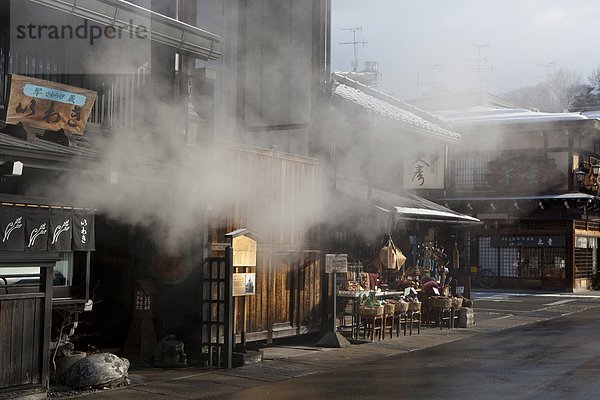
487, 279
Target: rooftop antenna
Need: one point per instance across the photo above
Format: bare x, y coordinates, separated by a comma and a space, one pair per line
354, 43
481, 62
549, 69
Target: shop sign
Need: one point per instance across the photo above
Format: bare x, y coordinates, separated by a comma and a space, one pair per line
424, 171
528, 241
335, 263
244, 284
24, 228
584, 242
48, 105
244, 251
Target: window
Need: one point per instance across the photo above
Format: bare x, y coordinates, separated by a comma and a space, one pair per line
470, 173
63, 270
27, 277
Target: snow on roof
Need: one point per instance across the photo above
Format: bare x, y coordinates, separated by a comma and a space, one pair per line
494, 115
391, 110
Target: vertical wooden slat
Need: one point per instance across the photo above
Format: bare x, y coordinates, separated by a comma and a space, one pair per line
5, 341
17, 343
27, 357
47, 312
36, 376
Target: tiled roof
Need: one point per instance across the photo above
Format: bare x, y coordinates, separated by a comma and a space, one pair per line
391, 110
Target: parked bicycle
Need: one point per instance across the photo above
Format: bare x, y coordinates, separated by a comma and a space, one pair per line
484, 277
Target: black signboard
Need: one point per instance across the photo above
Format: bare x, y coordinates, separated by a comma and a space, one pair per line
38, 228
59, 238
12, 228
528, 241
83, 230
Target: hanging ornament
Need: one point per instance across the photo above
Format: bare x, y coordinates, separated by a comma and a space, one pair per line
391, 256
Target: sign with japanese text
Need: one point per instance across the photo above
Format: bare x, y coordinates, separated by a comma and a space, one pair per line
336, 263
29, 228
244, 284
524, 173
528, 241
424, 171
48, 105
244, 251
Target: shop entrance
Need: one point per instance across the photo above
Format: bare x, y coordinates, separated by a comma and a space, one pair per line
524, 267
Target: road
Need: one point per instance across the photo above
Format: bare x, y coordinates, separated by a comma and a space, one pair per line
556, 358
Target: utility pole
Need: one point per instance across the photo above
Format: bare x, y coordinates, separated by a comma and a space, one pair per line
354, 43
433, 83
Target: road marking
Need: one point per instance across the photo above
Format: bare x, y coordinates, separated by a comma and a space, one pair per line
499, 300
555, 303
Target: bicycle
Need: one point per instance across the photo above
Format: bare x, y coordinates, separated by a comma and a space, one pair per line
485, 278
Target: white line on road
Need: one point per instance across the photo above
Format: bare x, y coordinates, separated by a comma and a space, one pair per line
555, 303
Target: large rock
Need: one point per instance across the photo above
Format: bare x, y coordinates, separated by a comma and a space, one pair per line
97, 370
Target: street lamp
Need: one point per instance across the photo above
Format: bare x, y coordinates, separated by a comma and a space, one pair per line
579, 176
589, 180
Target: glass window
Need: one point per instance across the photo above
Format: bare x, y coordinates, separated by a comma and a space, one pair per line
19, 275
63, 270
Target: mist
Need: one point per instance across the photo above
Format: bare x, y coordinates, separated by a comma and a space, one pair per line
429, 45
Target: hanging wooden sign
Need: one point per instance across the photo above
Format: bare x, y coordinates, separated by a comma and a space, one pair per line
48, 105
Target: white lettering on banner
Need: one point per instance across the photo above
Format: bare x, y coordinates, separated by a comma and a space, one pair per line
60, 229
84, 223
35, 233
16, 224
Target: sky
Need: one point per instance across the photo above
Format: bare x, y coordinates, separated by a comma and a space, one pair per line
498, 45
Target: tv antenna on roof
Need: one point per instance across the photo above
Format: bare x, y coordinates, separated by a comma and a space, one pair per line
354, 43
549, 69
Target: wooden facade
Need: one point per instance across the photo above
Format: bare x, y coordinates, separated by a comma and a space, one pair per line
278, 201
25, 319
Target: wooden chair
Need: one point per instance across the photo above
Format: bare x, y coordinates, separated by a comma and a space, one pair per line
414, 317
442, 311
388, 323
401, 321
371, 324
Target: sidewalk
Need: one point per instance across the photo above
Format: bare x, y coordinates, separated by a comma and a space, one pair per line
283, 362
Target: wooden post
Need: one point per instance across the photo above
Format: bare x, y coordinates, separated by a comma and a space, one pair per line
228, 317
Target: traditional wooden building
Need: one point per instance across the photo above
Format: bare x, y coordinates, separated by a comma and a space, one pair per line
387, 158
531, 177
247, 114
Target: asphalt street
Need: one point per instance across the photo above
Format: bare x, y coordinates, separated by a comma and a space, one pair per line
556, 358
523, 346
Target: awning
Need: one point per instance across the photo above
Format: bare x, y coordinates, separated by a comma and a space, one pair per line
407, 206
168, 31
538, 197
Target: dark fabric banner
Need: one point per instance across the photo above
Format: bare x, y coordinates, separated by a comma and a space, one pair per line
12, 228
36, 228
83, 230
59, 235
